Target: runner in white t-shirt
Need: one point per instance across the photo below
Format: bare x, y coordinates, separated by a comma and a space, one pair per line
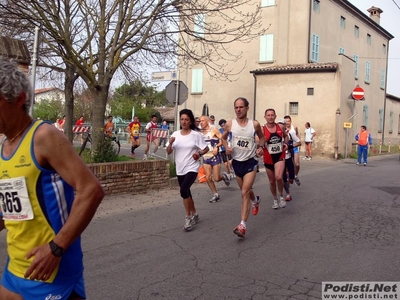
189, 145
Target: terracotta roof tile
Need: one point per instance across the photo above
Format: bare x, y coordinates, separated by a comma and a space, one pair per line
299, 68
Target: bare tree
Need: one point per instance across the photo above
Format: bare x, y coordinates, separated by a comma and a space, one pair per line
96, 38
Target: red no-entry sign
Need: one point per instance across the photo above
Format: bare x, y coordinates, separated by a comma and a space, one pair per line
358, 93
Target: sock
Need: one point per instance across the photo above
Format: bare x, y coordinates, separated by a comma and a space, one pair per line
254, 201
243, 223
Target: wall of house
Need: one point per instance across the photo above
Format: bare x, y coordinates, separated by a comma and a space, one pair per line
392, 127
316, 109
132, 176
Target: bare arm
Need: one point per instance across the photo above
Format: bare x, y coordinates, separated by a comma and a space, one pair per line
54, 151
224, 137
261, 138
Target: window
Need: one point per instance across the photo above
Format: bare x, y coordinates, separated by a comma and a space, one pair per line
293, 108
365, 115
310, 91
398, 126
341, 50
342, 22
356, 31
267, 3
384, 49
316, 6
267, 47
315, 48
383, 73
199, 25
391, 122
380, 120
197, 80
368, 39
356, 66
367, 71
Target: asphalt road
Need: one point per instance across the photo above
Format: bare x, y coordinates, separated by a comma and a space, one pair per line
343, 225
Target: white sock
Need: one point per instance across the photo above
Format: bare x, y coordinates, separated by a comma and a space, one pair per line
243, 223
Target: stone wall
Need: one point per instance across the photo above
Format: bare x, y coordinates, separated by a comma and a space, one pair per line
132, 176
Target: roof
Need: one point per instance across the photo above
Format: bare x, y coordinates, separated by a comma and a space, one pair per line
167, 113
299, 68
390, 96
15, 49
45, 90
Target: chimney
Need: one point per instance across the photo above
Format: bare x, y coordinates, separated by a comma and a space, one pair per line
375, 14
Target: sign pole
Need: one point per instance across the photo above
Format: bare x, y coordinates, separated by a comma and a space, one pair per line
177, 101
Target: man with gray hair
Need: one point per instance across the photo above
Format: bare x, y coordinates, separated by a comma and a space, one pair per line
47, 199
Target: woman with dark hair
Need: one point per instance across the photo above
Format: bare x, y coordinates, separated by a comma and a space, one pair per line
189, 146
310, 133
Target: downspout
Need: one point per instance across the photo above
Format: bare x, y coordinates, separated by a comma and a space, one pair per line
309, 32
384, 101
255, 95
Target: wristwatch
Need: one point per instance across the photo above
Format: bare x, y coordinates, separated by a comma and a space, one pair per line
55, 249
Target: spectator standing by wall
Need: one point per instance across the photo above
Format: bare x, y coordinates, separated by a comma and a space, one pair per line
363, 139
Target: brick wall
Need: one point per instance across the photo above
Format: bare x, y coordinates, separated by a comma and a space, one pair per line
133, 176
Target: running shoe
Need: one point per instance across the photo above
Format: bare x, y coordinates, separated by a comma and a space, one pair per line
195, 219
297, 181
275, 205
132, 154
365, 164
310, 158
188, 224
215, 198
255, 206
358, 164
240, 230
282, 203
288, 197
305, 158
145, 157
226, 179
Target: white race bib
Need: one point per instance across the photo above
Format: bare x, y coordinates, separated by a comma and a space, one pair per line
274, 148
14, 200
243, 143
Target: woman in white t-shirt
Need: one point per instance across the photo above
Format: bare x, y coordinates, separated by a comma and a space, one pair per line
189, 145
310, 133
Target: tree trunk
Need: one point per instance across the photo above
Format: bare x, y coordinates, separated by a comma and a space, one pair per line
100, 97
70, 78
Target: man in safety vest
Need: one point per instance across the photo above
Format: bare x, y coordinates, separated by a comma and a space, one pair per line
363, 138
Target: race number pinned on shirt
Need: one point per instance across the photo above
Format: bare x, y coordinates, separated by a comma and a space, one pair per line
243, 143
14, 199
274, 148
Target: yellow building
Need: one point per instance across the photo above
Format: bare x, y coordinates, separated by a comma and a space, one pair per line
307, 64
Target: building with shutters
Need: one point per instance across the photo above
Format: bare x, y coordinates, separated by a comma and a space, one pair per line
306, 65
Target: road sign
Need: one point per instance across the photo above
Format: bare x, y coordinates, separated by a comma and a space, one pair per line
164, 76
358, 93
347, 125
170, 92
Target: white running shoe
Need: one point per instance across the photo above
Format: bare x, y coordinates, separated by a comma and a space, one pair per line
275, 205
282, 202
215, 198
145, 157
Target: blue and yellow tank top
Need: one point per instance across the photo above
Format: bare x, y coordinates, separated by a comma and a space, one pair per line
36, 203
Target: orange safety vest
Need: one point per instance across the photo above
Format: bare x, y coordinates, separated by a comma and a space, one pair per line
363, 138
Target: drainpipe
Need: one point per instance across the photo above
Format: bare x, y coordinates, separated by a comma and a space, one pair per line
384, 101
309, 31
336, 155
255, 96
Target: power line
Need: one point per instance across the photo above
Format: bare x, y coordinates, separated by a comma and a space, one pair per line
396, 4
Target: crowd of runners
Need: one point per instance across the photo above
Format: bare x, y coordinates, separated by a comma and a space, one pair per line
233, 151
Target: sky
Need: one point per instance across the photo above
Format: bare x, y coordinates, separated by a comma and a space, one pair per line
389, 21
